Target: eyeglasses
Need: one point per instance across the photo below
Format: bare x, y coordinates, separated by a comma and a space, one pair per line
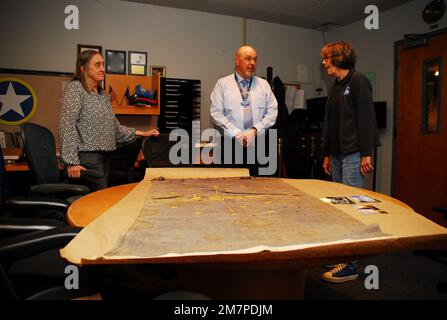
328, 57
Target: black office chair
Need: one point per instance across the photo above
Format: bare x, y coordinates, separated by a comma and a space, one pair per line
30, 265
43, 278
40, 152
156, 151
24, 233
122, 164
29, 207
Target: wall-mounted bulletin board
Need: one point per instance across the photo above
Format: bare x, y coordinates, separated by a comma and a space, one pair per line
32, 96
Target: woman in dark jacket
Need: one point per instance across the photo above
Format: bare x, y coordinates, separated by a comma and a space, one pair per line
350, 131
350, 128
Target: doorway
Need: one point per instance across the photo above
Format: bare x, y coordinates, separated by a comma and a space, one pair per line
420, 123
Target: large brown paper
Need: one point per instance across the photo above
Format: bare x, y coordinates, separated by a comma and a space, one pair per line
405, 227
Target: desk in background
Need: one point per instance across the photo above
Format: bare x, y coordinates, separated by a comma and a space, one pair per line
13, 160
17, 166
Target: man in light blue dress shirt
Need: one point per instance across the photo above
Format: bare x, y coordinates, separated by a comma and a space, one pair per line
242, 104
227, 111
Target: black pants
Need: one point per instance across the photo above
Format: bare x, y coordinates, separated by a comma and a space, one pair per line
97, 174
230, 146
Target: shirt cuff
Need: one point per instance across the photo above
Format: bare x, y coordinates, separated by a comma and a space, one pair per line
234, 132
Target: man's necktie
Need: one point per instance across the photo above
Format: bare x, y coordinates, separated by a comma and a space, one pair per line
248, 117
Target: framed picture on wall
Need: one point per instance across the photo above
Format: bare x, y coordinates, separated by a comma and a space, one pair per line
137, 63
154, 70
115, 62
83, 47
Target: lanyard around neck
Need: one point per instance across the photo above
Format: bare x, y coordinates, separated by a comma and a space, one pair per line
243, 95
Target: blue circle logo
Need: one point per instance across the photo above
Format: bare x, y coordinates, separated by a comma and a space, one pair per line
18, 101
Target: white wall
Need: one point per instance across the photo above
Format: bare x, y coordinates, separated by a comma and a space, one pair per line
281, 47
190, 44
376, 53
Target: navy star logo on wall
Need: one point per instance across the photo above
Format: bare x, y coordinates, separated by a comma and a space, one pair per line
18, 101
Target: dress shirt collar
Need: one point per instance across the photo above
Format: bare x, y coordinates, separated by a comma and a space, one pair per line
239, 77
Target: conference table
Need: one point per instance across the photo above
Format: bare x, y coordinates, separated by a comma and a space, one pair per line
267, 274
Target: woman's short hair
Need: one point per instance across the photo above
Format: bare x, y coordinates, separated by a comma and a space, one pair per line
83, 60
341, 53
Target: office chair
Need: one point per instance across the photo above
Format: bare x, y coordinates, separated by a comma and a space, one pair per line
19, 207
11, 227
122, 164
40, 150
18, 282
23, 233
156, 151
32, 243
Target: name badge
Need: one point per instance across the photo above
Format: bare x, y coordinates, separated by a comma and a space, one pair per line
245, 103
347, 91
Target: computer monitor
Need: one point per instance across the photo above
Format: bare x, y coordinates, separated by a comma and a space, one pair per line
380, 109
316, 108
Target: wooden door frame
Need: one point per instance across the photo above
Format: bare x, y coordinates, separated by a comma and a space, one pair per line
397, 44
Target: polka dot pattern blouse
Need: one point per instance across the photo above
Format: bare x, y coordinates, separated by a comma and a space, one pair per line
87, 123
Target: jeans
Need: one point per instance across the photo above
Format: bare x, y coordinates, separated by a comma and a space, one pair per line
346, 169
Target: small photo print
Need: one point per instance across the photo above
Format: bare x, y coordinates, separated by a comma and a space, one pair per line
338, 200
364, 199
369, 209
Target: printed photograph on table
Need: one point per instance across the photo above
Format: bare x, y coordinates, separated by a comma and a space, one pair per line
83, 47
363, 198
137, 63
370, 209
154, 70
115, 62
338, 200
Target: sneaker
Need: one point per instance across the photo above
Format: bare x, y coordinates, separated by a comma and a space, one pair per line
341, 273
